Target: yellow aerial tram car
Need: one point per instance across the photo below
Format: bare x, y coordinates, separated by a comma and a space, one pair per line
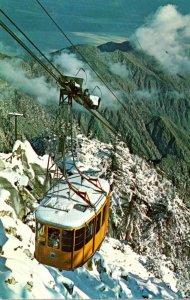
72, 221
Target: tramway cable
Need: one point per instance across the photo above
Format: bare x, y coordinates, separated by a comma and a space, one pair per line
91, 67
87, 62
79, 52
102, 118
15, 37
30, 41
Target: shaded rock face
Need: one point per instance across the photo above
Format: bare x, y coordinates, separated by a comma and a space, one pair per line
14, 197
163, 133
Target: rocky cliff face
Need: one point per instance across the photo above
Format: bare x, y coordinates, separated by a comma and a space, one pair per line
146, 209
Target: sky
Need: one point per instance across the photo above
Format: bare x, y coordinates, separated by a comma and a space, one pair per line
91, 22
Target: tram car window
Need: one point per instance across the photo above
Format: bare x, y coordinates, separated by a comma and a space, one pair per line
89, 231
98, 220
53, 238
79, 238
67, 240
104, 215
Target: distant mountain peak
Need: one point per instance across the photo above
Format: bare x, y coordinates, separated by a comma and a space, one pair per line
112, 46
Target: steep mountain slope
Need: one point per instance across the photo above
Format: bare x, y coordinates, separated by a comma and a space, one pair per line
146, 208
17, 93
36, 119
147, 92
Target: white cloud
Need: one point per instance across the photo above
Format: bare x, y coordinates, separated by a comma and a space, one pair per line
11, 71
70, 65
8, 50
145, 94
166, 37
119, 69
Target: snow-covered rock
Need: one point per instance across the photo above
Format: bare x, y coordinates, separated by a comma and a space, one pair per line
146, 209
22, 176
116, 271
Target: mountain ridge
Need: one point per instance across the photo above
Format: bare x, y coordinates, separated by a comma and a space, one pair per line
112, 46
146, 91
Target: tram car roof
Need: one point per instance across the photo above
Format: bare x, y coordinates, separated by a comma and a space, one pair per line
64, 207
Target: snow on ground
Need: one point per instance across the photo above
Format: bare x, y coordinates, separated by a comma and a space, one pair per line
146, 210
116, 271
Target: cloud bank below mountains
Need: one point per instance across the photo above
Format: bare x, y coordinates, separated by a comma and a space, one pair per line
166, 36
12, 72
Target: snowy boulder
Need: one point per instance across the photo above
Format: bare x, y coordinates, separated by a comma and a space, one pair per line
23, 175
2, 165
